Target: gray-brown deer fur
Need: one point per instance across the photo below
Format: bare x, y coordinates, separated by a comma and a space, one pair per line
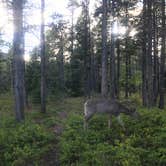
110, 107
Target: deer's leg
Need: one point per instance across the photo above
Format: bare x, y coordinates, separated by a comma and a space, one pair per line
110, 121
86, 119
120, 121
85, 124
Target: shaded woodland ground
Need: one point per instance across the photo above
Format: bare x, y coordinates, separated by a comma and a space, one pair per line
58, 138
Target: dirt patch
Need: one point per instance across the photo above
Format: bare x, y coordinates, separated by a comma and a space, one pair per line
58, 128
52, 158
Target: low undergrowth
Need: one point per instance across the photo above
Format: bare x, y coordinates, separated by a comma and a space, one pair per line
142, 143
26, 143
23, 144
33, 142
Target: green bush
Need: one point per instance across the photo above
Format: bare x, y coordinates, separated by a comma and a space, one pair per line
141, 144
23, 144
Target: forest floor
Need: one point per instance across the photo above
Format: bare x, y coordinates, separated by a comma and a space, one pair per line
57, 137
52, 122
57, 114
52, 158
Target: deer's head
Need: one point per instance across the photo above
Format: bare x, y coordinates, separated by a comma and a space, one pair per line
134, 113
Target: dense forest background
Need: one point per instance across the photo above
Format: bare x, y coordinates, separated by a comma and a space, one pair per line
117, 51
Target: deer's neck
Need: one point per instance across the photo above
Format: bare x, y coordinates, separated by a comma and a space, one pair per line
124, 110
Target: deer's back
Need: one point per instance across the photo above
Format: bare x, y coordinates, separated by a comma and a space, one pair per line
103, 105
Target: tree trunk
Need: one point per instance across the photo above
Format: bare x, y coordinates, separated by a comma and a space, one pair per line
72, 41
149, 56
93, 66
162, 63
104, 81
61, 69
72, 33
129, 74
118, 69
155, 55
112, 63
127, 71
126, 55
26, 102
148, 95
43, 60
86, 48
18, 60
144, 63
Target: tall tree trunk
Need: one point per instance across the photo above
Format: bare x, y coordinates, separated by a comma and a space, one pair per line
86, 48
93, 73
72, 5
43, 60
72, 40
149, 56
61, 69
104, 81
155, 56
118, 69
72, 33
18, 60
148, 95
130, 73
162, 63
93, 65
126, 55
26, 102
112, 63
144, 62
127, 71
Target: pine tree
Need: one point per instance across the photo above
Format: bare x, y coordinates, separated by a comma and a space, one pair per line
162, 63
43, 60
104, 79
18, 60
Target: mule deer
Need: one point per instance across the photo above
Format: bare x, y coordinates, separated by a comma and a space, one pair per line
111, 107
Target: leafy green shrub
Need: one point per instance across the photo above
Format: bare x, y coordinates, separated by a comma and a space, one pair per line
141, 144
23, 144
50, 121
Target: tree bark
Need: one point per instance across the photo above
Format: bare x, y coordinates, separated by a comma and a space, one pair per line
86, 48
62, 79
18, 60
43, 60
93, 65
126, 55
147, 69
162, 63
112, 63
118, 69
149, 56
127, 71
104, 81
144, 65
155, 55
